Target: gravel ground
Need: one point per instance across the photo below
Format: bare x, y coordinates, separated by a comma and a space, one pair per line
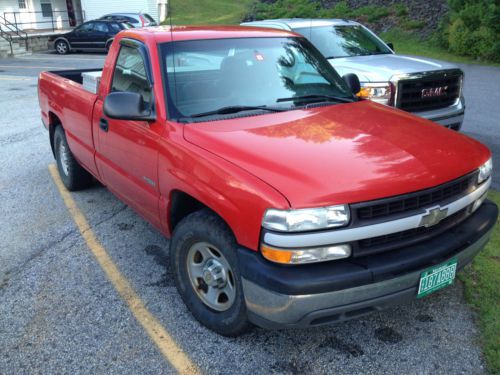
60, 314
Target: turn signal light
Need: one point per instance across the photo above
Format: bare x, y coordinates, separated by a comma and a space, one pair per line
304, 256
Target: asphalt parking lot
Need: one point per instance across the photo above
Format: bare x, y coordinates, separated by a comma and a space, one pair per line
60, 311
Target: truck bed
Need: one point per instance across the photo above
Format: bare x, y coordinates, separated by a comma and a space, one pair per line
64, 99
74, 75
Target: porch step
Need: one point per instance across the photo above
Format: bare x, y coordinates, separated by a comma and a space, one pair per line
18, 49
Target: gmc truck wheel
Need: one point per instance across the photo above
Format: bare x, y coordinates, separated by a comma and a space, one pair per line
205, 267
73, 176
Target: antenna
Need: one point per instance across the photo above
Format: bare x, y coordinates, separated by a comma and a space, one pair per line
169, 10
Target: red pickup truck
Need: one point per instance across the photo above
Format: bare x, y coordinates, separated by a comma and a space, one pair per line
289, 202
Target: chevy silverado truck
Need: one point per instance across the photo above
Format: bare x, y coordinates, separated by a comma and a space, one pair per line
425, 87
288, 201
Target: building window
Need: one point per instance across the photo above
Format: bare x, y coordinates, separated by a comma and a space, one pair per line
46, 9
22, 4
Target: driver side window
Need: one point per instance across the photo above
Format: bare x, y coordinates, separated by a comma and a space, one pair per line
130, 74
85, 28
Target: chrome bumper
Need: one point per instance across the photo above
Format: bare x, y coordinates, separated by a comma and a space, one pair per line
270, 309
451, 117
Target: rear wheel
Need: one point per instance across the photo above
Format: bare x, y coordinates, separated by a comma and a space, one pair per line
203, 260
62, 47
73, 176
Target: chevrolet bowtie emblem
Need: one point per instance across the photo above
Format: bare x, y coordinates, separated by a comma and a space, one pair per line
433, 216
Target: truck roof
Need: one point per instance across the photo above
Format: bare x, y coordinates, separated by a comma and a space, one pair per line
295, 23
162, 34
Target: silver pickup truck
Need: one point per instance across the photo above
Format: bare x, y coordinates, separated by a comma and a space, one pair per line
428, 88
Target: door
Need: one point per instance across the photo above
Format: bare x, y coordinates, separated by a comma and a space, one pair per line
127, 151
100, 35
81, 37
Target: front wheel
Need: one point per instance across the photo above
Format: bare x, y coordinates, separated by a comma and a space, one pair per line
62, 47
203, 260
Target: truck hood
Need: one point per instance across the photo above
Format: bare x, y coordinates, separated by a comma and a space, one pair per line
380, 68
344, 153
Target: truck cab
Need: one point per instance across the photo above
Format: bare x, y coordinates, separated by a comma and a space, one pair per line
427, 88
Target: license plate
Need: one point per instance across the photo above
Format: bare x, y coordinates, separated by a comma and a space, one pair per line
436, 278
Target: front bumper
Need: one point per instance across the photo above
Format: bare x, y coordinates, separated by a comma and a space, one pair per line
279, 296
452, 117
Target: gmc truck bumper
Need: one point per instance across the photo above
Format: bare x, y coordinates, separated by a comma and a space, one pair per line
286, 296
452, 117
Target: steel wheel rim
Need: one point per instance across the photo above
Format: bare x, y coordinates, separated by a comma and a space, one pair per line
61, 47
64, 158
211, 276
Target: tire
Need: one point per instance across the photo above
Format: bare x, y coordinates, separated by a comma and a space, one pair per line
62, 47
202, 241
73, 176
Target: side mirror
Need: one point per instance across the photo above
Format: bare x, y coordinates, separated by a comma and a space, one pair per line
390, 45
352, 81
127, 106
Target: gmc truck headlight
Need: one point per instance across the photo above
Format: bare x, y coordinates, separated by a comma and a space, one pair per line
306, 219
378, 92
307, 255
485, 171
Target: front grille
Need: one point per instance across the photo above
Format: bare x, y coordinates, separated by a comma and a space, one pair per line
408, 237
408, 202
424, 94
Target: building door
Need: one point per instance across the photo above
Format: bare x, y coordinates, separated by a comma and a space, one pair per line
71, 13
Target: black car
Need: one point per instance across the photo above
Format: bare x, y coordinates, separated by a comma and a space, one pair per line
90, 36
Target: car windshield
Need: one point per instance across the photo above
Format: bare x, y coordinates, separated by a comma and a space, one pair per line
232, 75
148, 17
344, 41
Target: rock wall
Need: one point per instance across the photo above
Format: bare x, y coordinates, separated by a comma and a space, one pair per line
429, 11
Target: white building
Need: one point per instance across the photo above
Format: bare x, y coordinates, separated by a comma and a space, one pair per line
64, 14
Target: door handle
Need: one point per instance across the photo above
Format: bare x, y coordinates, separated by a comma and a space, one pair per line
103, 124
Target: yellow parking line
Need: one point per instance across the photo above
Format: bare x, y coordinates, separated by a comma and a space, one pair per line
13, 78
97, 58
30, 67
165, 343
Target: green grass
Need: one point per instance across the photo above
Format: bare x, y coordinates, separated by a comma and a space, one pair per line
408, 43
208, 12
482, 292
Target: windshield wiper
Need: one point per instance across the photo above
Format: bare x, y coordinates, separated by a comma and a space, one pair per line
329, 98
235, 109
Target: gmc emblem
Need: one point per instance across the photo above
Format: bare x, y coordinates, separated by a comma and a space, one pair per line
434, 91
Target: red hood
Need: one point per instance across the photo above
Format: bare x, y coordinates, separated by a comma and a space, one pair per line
343, 153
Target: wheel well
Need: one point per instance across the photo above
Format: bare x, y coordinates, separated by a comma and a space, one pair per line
54, 122
182, 205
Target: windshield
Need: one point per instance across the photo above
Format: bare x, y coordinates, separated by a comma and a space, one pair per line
344, 41
214, 75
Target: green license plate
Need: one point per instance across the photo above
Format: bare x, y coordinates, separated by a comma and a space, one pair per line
436, 278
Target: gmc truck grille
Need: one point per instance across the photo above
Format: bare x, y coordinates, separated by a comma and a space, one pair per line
430, 92
408, 202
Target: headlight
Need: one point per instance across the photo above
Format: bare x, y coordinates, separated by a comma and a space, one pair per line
306, 219
304, 256
378, 92
485, 171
